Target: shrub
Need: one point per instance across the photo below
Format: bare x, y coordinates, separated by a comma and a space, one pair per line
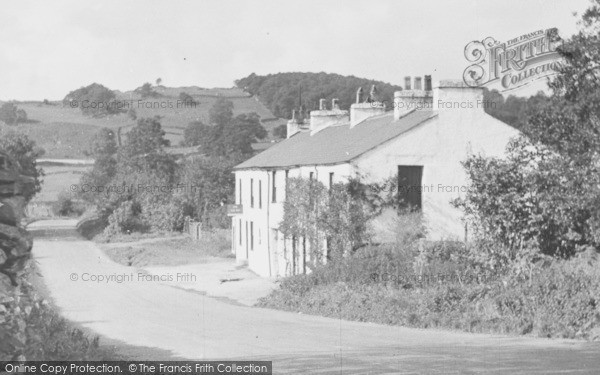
66, 206
560, 299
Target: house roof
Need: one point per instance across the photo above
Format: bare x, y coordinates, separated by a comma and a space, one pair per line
336, 144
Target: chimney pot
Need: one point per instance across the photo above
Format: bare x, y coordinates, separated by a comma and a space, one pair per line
407, 83
359, 95
334, 104
428, 83
418, 83
322, 104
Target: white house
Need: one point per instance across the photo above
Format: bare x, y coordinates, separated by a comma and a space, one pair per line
421, 142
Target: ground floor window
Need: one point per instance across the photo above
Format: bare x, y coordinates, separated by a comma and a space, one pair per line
410, 186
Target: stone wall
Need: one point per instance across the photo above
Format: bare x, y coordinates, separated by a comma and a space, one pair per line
15, 242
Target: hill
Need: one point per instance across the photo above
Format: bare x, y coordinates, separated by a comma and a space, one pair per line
279, 92
64, 132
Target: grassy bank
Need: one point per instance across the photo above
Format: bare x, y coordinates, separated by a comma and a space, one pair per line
379, 285
169, 250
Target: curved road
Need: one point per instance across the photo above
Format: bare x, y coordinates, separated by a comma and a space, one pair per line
194, 326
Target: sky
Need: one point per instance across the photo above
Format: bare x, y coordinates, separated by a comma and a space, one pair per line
50, 48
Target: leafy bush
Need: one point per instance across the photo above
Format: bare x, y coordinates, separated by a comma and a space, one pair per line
65, 205
11, 114
31, 330
559, 301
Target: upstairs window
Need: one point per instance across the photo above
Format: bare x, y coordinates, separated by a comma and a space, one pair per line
251, 192
259, 193
274, 187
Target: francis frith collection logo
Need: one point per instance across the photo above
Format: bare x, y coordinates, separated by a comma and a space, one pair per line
513, 64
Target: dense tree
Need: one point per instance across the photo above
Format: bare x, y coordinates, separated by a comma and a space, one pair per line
146, 91
186, 98
196, 133
221, 113
94, 100
146, 137
104, 149
132, 114
280, 92
546, 194
213, 185
280, 131
24, 152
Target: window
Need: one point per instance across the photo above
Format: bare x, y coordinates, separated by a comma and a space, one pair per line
330, 180
251, 192
252, 235
240, 183
259, 193
247, 242
409, 186
311, 175
274, 187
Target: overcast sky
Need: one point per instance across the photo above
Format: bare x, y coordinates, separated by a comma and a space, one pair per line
49, 48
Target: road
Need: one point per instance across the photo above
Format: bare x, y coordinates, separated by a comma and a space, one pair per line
194, 326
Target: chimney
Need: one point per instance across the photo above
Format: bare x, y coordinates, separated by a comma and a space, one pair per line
407, 83
324, 118
428, 83
296, 124
371, 107
408, 100
418, 83
456, 96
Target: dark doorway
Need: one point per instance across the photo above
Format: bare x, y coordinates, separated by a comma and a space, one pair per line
410, 186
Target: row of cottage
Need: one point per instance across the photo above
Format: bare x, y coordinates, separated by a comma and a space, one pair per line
421, 143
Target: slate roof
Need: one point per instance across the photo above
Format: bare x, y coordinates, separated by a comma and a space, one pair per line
336, 144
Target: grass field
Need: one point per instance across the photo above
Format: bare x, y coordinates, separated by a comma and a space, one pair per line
64, 132
57, 179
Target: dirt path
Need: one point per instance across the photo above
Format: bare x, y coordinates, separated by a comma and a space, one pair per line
192, 325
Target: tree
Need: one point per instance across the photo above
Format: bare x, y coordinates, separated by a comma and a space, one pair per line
213, 185
546, 194
146, 91
24, 152
280, 92
8, 113
21, 116
104, 149
94, 100
280, 131
237, 137
145, 138
186, 98
221, 113
132, 114
196, 133
158, 81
